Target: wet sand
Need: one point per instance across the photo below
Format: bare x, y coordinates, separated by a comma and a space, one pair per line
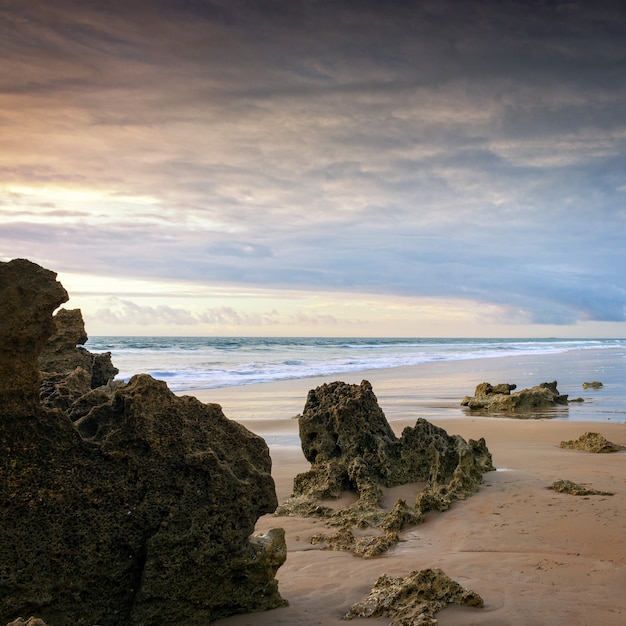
534, 555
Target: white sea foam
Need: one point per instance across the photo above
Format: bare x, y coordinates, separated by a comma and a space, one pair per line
187, 363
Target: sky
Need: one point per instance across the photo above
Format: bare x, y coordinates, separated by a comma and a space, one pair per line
316, 167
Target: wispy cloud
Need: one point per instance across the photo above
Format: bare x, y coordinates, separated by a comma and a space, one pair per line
121, 312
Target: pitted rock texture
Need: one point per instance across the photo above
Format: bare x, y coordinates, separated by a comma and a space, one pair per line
29, 295
351, 447
68, 370
499, 399
574, 489
141, 512
413, 600
592, 442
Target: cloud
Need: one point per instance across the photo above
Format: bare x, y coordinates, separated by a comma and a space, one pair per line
121, 312
437, 149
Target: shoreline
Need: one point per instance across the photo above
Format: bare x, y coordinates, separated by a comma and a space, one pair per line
534, 555
434, 390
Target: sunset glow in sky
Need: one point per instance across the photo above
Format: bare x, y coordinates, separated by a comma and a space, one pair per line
331, 168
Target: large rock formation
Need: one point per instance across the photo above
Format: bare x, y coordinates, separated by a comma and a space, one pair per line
499, 399
139, 513
351, 447
29, 294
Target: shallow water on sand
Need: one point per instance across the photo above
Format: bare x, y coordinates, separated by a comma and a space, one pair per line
434, 390
213, 362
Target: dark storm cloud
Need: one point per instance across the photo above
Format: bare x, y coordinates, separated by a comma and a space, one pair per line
443, 148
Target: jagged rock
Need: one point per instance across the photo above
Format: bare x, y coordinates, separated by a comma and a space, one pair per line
61, 390
574, 489
350, 445
29, 296
91, 399
68, 370
592, 442
499, 399
485, 389
413, 600
31, 621
60, 353
140, 513
596, 384
102, 370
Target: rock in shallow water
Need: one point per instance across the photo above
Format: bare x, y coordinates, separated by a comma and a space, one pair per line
499, 399
141, 512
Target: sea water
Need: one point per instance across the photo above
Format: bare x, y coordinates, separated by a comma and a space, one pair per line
191, 363
187, 363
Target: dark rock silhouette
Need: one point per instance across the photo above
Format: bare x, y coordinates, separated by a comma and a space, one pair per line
141, 512
68, 370
499, 399
351, 447
29, 296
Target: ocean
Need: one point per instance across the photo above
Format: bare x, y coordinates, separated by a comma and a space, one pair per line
188, 363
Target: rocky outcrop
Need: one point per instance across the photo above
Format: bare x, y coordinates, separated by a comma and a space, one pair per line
499, 399
29, 296
413, 600
596, 384
351, 447
592, 442
69, 371
141, 512
574, 489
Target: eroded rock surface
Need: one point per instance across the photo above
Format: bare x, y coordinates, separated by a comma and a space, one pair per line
574, 489
499, 399
139, 513
29, 295
68, 370
351, 447
592, 442
413, 600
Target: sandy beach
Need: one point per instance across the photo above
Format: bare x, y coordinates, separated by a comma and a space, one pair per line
534, 555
